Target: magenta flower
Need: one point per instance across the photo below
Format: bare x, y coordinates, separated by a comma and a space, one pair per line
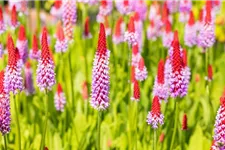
2, 24
161, 88
69, 18
29, 85
105, 7
22, 44
1, 50
172, 5
136, 91
131, 35
13, 80
140, 7
61, 44
60, 99
141, 72
87, 34
155, 118
152, 31
45, 69
35, 53
138, 24
190, 36
136, 56
184, 8
167, 35
219, 126
125, 7
5, 115
100, 74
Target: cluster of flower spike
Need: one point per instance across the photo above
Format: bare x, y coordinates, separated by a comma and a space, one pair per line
22, 44
60, 99
100, 74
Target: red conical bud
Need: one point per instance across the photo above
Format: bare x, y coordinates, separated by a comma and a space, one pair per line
155, 105
136, 90
45, 52
118, 27
104, 3
1, 15
160, 74
14, 15
184, 122
141, 63
86, 26
35, 44
136, 16
131, 27
22, 33
165, 12
210, 72
222, 101
60, 33
59, 89
132, 76
161, 137
11, 51
28, 65
191, 20
208, 16
102, 40
168, 26
176, 59
125, 2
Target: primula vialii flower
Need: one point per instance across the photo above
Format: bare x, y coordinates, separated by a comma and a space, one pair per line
184, 8
13, 80
1, 50
131, 35
219, 126
125, 6
161, 88
136, 56
100, 74
167, 35
22, 44
141, 72
184, 122
2, 24
210, 73
45, 69
14, 23
35, 53
60, 99
155, 118
119, 31
190, 36
29, 84
57, 9
5, 116
87, 33
69, 18
61, 44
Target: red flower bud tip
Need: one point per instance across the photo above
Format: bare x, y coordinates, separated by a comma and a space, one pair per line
118, 27
58, 4
59, 89
136, 16
104, 3
102, 40
160, 74
132, 76
176, 59
1, 83
17, 54
1, 15
136, 90
208, 17
28, 65
135, 49
191, 20
155, 105
197, 78
14, 15
184, 57
87, 26
35, 43
106, 22
125, 2
184, 122
161, 137
131, 27
22, 33
60, 33
141, 63
11, 51
200, 15
45, 52
152, 23
165, 12
210, 72
222, 101
168, 26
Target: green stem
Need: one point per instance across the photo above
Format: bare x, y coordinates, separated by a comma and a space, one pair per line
17, 123
99, 130
5, 142
71, 80
37, 5
175, 125
155, 140
46, 121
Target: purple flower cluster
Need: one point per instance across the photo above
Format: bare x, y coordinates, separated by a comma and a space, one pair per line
59, 99
190, 35
29, 85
